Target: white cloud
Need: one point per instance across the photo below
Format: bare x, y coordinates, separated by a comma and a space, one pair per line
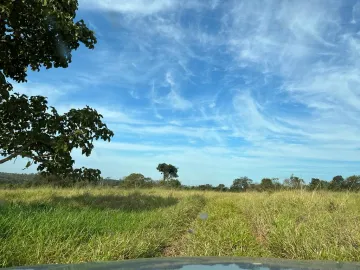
161, 148
134, 6
302, 44
264, 84
134, 94
50, 90
110, 115
172, 99
144, 7
331, 88
355, 13
253, 123
160, 130
178, 102
175, 122
214, 3
281, 37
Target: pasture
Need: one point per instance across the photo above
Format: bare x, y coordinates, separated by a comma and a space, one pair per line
46, 226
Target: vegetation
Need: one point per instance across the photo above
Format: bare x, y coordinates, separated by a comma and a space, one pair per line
46, 225
137, 217
83, 219
241, 184
135, 180
39, 34
138, 180
43, 226
168, 171
287, 224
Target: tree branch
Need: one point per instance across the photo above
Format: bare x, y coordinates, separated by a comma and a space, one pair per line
15, 154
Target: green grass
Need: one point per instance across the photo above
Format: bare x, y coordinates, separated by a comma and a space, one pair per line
43, 226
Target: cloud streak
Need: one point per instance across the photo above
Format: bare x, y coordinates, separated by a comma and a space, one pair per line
264, 84
142, 7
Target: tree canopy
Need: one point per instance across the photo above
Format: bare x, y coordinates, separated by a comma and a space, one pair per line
35, 34
168, 171
266, 184
241, 184
337, 183
294, 182
352, 183
136, 180
39, 33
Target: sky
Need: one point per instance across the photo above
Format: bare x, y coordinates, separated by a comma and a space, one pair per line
220, 89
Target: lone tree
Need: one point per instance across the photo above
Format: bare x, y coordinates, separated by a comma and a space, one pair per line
221, 187
241, 184
266, 184
337, 183
168, 171
35, 34
315, 184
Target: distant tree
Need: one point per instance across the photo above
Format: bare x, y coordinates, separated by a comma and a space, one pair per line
16, 178
185, 187
168, 171
110, 182
314, 184
266, 184
169, 183
352, 183
286, 183
136, 180
241, 184
324, 184
173, 183
317, 184
254, 186
205, 187
221, 187
294, 182
200, 187
58, 181
277, 184
337, 183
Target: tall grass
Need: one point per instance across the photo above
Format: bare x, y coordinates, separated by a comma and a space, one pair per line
43, 226
292, 225
38, 228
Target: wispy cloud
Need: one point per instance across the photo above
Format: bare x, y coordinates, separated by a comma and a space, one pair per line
50, 90
134, 6
110, 116
148, 131
264, 84
173, 98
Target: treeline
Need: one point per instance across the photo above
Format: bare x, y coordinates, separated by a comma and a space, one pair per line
243, 184
137, 180
134, 180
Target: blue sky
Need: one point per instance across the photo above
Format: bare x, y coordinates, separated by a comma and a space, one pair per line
221, 89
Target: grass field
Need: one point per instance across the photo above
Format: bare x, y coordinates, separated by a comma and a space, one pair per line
43, 225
